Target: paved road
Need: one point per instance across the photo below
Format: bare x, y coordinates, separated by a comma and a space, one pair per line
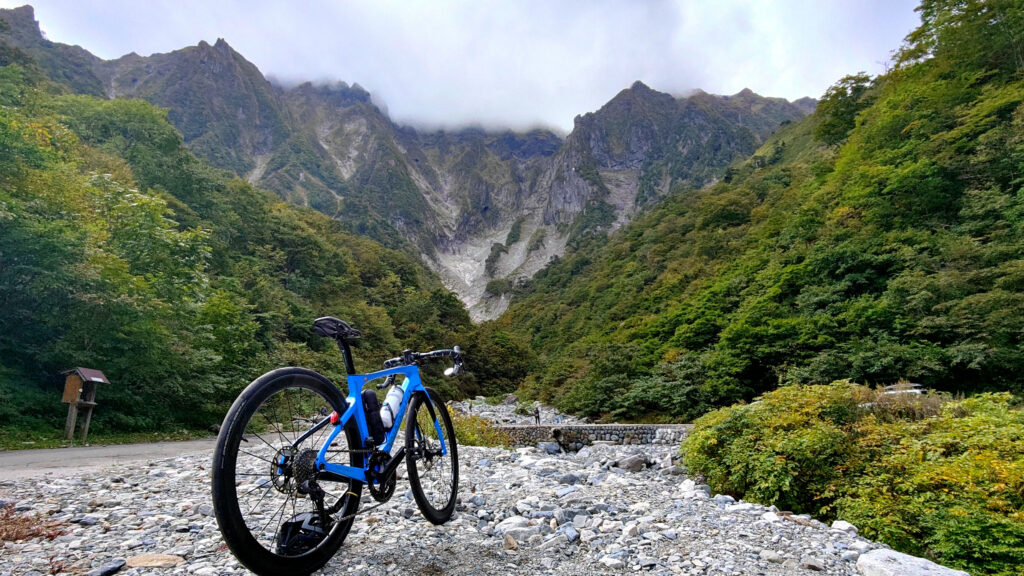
22, 464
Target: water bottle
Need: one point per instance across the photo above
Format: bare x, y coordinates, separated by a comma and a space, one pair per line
390, 407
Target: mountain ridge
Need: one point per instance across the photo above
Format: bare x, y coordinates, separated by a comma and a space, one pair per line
453, 197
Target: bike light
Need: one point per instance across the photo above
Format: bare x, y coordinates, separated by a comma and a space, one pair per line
335, 418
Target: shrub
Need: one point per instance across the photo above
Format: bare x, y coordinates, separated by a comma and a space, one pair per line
476, 431
930, 475
499, 286
15, 527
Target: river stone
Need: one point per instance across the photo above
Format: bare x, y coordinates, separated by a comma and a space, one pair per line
770, 556
633, 463
154, 561
549, 447
812, 563
893, 563
845, 526
107, 569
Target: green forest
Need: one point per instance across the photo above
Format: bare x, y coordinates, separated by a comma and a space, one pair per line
882, 238
878, 239
119, 250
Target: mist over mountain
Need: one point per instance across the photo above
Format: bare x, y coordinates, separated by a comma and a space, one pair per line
484, 208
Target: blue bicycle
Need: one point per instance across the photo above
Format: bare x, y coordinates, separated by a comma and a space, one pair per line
293, 456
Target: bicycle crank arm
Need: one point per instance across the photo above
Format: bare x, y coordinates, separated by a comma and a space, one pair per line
393, 463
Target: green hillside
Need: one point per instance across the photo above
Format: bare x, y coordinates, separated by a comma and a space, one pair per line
119, 250
881, 238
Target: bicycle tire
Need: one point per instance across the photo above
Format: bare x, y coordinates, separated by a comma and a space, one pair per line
420, 438
238, 536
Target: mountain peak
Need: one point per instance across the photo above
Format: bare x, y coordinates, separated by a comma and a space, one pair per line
640, 86
22, 18
25, 11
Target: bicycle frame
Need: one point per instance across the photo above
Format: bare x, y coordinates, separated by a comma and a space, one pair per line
356, 382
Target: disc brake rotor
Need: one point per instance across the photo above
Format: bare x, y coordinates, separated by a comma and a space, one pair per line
281, 470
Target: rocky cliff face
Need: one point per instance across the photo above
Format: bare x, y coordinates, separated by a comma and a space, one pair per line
484, 209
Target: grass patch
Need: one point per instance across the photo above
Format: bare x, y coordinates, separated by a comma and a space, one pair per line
19, 439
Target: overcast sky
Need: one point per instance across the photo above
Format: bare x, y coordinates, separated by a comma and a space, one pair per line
512, 64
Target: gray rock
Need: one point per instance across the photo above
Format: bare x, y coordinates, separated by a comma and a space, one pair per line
549, 447
844, 526
108, 568
812, 563
632, 463
893, 563
612, 562
571, 534
770, 556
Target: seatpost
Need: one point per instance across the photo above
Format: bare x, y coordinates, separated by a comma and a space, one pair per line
347, 353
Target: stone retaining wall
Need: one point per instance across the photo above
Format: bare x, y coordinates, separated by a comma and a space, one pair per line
576, 436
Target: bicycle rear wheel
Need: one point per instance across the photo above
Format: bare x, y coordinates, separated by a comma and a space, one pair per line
265, 483
432, 457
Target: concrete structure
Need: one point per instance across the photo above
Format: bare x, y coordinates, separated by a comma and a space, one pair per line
576, 436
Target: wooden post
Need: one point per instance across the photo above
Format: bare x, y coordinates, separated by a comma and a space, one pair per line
69, 426
87, 404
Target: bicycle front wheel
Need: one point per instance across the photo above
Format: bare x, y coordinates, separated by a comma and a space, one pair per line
432, 457
278, 514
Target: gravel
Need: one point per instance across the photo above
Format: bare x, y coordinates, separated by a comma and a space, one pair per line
521, 511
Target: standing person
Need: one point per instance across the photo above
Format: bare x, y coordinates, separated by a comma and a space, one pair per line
536, 415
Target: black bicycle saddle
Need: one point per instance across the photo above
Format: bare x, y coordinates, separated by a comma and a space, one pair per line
330, 327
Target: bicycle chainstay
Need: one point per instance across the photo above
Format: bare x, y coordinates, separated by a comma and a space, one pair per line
338, 505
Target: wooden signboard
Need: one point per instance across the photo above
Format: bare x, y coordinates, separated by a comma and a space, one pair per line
80, 395
72, 389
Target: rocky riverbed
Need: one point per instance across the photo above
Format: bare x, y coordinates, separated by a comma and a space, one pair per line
505, 412
606, 509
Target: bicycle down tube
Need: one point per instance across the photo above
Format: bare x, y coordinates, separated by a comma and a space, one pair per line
411, 385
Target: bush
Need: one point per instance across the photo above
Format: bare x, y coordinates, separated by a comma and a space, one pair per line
929, 475
16, 527
476, 431
499, 286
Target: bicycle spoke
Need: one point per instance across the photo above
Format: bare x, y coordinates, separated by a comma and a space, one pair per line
269, 488
291, 416
277, 423
257, 456
265, 526
264, 441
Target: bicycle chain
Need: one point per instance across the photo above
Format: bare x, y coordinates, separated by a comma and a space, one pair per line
363, 511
